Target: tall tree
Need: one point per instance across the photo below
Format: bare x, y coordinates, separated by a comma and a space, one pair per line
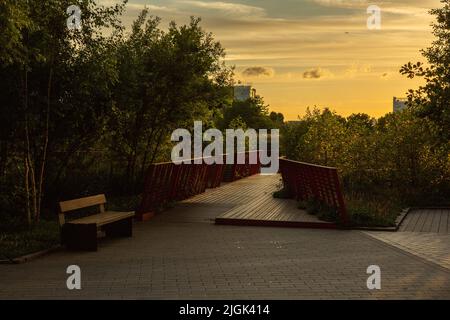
166, 81
40, 65
433, 99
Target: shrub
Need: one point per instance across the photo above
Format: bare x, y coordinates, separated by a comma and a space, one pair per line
313, 206
327, 213
281, 194
40, 236
372, 213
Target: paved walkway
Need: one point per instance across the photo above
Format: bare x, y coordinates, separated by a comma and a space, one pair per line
182, 254
425, 233
430, 246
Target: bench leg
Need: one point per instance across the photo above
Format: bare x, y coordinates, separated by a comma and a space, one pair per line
80, 236
122, 228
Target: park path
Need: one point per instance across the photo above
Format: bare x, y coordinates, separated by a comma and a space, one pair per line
424, 233
182, 254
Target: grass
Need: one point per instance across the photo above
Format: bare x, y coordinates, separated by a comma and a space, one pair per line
365, 212
19, 242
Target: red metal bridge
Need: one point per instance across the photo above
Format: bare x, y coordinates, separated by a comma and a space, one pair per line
248, 193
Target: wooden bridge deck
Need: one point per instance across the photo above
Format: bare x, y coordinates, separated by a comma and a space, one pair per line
250, 202
237, 192
427, 220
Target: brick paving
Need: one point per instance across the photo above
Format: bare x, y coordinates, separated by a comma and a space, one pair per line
433, 247
181, 254
424, 233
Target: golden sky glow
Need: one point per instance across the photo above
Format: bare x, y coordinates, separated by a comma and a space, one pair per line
300, 53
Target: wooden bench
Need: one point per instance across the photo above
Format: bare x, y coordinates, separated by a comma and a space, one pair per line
81, 234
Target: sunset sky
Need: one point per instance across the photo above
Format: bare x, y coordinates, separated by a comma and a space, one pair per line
300, 53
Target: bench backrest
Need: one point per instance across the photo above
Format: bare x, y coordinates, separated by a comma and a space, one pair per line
70, 205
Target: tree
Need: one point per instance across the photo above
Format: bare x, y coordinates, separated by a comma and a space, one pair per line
433, 99
166, 80
276, 117
41, 65
254, 112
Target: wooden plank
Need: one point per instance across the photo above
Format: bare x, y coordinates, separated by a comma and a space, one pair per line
420, 222
436, 220
295, 214
428, 220
279, 210
443, 228
414, 221
257, 205
448, 220
265, 210
273, 209
447, 211
81, 203
276, 211
246, 210
410, 221
443, 222
103, 218
239, 191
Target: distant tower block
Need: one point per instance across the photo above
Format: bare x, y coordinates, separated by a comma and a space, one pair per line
244, 92
399, 104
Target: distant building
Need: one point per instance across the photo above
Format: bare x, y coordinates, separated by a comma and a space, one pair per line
399, 104
244, 92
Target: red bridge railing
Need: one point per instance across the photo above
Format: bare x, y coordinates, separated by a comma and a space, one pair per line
304, 181
168, 182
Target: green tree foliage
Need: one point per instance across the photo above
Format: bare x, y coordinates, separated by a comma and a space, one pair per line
166, 79
277, 118
45, 101
432, 100
80, 108
13, 20
398, 156
254, 112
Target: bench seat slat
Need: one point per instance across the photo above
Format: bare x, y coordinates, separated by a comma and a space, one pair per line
82, 203
103, 218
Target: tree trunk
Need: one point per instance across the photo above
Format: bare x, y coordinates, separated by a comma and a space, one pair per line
27, 190
44, 151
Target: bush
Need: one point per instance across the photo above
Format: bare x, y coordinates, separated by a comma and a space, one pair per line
312, 206
394, 161
322, 210
41, 236
124, 203
329, 214
281, 194
366, 213
361, 212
